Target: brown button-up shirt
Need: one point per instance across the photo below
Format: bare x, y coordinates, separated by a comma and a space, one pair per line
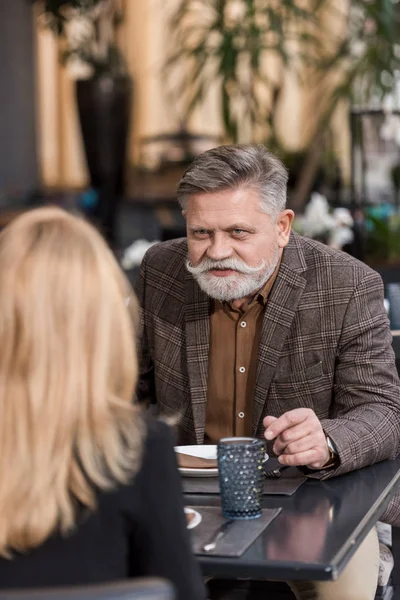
232, 363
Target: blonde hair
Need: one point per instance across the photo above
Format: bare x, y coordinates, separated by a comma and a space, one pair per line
68, 370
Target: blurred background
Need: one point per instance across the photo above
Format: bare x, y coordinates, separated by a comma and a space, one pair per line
105, 102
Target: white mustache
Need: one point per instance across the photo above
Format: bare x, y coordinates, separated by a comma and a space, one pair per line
234, 264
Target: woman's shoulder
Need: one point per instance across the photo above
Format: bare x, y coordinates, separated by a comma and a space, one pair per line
158, 450
158, 461
158, 433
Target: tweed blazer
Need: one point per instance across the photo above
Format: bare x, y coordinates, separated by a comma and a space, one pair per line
325, 344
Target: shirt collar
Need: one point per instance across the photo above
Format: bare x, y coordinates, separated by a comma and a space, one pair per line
262, 294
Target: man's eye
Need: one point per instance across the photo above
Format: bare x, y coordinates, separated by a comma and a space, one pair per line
239, 231
201, 232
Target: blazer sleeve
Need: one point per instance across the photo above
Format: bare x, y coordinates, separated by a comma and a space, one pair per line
160, 540
365, 419
145, 391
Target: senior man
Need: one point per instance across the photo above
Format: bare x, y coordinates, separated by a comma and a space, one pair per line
250, 329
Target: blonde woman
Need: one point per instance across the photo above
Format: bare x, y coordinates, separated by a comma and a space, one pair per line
89, 489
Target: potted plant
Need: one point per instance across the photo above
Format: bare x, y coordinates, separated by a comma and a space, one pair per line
383, 241
228, 43
87, 33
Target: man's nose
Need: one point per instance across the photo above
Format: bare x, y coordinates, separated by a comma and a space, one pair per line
219, 248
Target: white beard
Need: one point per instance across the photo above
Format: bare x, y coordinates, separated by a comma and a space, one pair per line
246, 281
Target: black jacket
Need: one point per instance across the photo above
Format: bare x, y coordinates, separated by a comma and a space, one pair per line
137, 530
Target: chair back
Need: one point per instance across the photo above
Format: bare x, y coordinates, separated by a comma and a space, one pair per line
148, 588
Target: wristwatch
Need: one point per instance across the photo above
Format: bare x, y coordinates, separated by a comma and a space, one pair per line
333, 454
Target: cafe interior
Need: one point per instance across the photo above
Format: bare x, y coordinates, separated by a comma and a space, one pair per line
104, 104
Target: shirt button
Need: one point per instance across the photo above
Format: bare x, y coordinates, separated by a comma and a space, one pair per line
241, 415
243, 324
242, 369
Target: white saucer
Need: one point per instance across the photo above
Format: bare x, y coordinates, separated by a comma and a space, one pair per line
196, 519
203, 451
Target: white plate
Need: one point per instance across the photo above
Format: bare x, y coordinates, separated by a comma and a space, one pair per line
196, 519
203, 451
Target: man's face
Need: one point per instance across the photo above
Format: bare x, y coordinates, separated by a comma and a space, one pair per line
233, 245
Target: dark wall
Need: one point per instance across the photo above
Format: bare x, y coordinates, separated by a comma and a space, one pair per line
18, 160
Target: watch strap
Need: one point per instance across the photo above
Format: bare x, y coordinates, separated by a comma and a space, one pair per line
333, 455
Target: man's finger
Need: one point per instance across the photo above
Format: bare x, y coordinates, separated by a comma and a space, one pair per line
309, 442
267, 421
302, 459
287, 420
302, 444
292, 434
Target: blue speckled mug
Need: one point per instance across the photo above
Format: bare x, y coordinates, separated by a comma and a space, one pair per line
240, 471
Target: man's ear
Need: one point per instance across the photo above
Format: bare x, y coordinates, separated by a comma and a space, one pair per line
284, 225
184, 214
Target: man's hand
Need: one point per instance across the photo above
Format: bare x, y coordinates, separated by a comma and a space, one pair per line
299, 438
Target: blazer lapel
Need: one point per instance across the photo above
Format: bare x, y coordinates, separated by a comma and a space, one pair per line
279, 313
197, 321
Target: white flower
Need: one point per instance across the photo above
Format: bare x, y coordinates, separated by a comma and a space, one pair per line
388, 103
79, 32
134, 254
317, 219
342, 216
340, 236
390, 129
341, 233
79, 69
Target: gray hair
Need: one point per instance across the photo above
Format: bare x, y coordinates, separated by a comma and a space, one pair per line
235, 166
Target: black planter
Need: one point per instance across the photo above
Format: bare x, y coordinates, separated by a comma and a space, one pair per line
104, 106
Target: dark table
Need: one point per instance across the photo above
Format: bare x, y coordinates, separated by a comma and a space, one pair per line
317, 531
